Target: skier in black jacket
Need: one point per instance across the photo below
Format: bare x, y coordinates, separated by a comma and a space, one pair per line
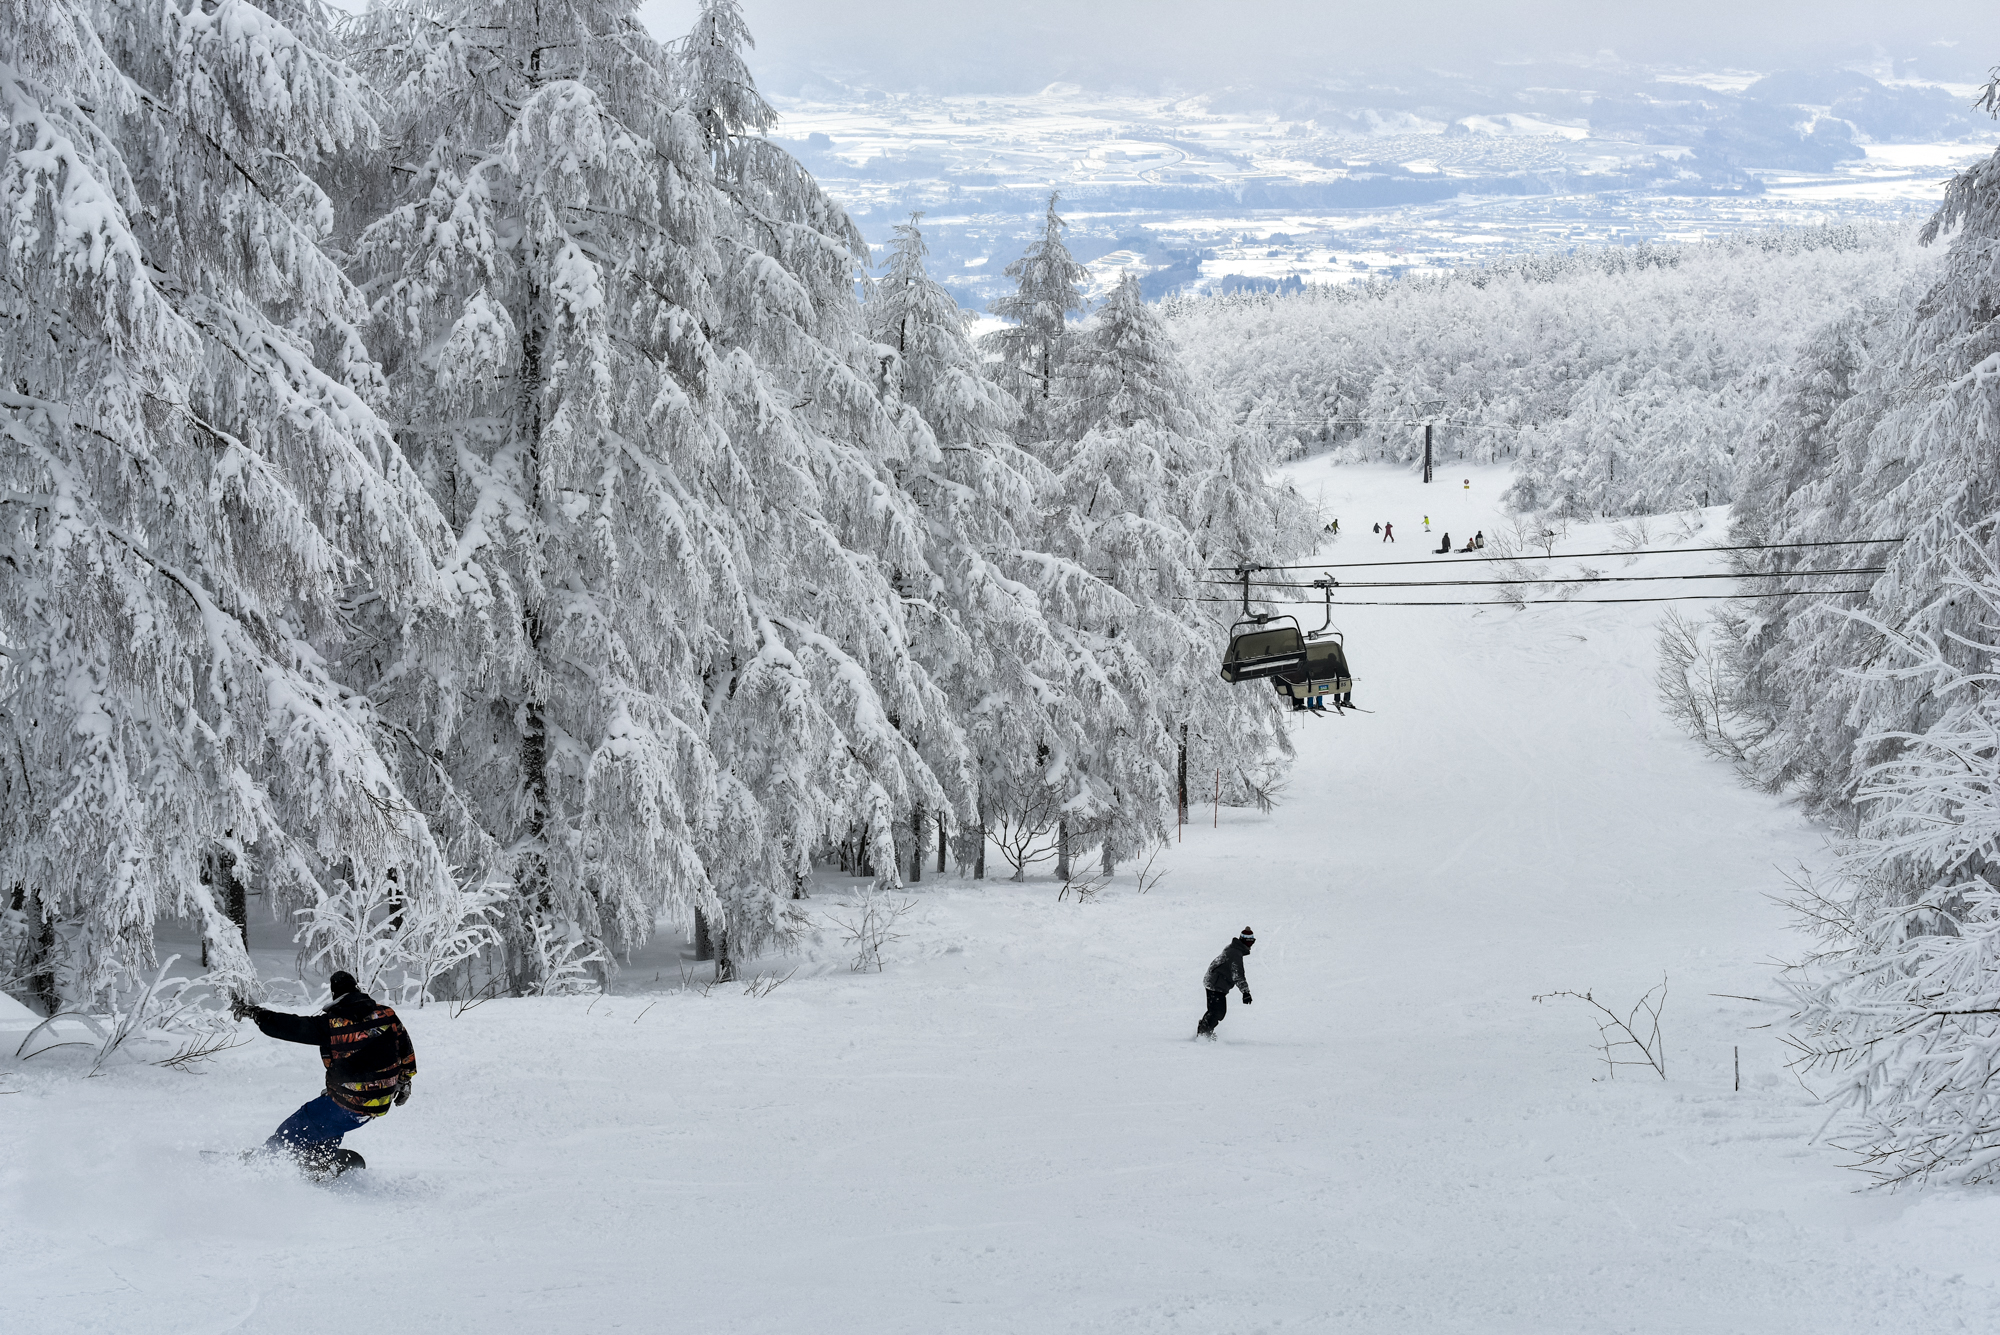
1224, 972
369, 1066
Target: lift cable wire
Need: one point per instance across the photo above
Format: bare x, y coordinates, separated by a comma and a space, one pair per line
1577, 556
1253, 420
1509, 583
1570, 602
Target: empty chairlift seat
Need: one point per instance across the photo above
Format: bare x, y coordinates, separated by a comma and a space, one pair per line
1263, 652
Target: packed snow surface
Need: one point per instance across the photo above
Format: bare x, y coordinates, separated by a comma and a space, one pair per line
1009, 1129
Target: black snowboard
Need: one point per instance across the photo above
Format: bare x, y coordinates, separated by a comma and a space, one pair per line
321, 1167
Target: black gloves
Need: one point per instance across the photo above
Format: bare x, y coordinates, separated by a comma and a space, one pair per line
402, 1091
1246, 998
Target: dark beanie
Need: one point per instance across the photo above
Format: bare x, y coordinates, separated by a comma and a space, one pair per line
342, 983
1247, 936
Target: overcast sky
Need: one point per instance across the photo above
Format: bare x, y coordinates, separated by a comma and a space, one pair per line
1006, 44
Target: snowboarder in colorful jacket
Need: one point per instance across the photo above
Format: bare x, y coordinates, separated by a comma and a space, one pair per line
1224, 972
369, 1066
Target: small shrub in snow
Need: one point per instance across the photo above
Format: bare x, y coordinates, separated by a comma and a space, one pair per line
373, 932
870, 925
1631, 1039
1698, 688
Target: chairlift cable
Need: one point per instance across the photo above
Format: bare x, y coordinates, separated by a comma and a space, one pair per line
1579, 579
1572, 602
1252, 420
1577, 556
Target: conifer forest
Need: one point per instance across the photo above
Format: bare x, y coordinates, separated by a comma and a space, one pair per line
731, 670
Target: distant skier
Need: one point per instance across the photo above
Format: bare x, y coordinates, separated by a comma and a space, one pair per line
1378, 528
1224, 972
1388, 532
1479, 540
1427, 523
369, 1066
1445, 548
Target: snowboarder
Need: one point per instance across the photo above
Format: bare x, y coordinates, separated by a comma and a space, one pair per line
1427, 523
1479, 540
1445, 548
1388, 532
1378, 528
1224, 972
369, 1066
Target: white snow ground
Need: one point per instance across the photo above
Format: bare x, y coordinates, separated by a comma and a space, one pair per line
1009, 1129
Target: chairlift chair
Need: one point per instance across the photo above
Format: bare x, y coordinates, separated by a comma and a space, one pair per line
1257, 647
1324, 672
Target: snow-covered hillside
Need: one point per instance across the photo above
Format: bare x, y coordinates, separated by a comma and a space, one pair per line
1008, 1128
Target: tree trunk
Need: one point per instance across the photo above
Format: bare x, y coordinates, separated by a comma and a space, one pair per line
979, 853
940, 826
1184, 811
1109, 863
725, 967
531, 885
916, 844
1062, 849
704, 947
42, 965
218, 869
236, 901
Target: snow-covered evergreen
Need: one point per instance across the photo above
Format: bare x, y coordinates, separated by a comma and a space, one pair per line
1618, 381
1148, 490
623, 326
1048, 289
980, 626
487, 493
1900, 1003
194, 487
1884, 428
1877, 708
1150, 464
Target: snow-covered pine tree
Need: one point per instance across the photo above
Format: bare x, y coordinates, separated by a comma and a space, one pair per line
1879, 708
193, 486
834, 718
525, 300
1899, 1003
979, 627
1886, 428
623, 329
1154, 491
1048, 288
1123, 369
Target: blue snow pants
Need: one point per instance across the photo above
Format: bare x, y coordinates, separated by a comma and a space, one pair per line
318, 1125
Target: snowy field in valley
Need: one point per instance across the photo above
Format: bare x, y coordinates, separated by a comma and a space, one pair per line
1009, 1129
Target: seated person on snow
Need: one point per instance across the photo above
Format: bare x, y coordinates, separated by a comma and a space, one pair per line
369, 1065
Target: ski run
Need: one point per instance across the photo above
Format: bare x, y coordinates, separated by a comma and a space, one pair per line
694, 789
1008, 1127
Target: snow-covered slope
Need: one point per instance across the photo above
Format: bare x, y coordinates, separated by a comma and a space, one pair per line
1009, 1130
